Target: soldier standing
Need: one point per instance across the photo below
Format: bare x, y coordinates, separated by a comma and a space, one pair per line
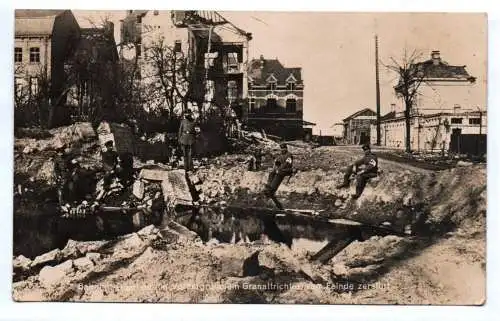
186, 138
283, 166
369, 165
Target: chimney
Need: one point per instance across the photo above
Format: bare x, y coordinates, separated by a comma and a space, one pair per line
393, 107
436, 57
262, 61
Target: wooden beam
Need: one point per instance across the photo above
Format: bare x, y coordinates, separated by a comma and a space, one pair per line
336, 245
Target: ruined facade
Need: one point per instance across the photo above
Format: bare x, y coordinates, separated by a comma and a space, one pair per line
211, 53
444, 110
275, 98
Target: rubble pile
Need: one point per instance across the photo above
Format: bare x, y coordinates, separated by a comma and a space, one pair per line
61, 137
250, 139
79, 261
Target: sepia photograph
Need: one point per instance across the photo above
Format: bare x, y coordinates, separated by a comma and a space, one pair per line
264, 157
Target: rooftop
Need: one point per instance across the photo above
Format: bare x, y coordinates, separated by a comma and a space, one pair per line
35, 22
367, 111
260, 69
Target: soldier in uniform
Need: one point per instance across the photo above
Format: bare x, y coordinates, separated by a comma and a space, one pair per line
283, 166
109, 162
186, 138
70, 189
61, 170
369, 169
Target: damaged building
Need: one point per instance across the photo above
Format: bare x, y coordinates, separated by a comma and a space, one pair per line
211, 50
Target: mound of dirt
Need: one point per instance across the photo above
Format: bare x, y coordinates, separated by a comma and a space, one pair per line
447, 197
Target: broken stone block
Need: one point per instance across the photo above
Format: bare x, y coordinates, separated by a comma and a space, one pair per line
83, 263
94, 257
150, 232
153, 174
22, 262
132, 242
138, 189
91, 246
71, 250
170, 236
52, 275
46, 258
464, 164
183, 231
338, 202
175, 188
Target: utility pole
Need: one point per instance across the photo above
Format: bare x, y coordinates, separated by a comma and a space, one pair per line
377, 84
480, 120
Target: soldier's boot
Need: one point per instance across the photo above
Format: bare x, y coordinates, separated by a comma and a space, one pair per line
276, 202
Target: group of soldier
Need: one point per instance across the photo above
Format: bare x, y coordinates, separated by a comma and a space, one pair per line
120, 167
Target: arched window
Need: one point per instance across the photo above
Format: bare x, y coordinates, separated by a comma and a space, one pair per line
291, 105
272, 103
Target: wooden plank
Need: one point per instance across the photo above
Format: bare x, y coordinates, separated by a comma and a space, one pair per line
334, 247
343, 221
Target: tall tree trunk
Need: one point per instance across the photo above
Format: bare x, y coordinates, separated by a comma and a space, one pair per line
407, 123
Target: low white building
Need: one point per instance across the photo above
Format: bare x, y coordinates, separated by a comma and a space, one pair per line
444, 112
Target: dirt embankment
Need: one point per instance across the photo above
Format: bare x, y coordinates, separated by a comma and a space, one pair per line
161, 266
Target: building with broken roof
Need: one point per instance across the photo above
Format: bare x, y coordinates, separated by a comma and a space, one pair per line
44, 41
275, 99
445, 115
213, 49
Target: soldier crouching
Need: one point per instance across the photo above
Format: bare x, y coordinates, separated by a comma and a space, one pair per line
283, 166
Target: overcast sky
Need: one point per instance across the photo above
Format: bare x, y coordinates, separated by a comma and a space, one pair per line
337, 51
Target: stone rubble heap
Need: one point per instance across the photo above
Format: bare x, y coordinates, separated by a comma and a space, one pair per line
79, 258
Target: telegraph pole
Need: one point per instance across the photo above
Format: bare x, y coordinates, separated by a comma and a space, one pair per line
377, 84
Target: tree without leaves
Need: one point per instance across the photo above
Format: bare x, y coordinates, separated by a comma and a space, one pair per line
411, 75
166, 77
31, 100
